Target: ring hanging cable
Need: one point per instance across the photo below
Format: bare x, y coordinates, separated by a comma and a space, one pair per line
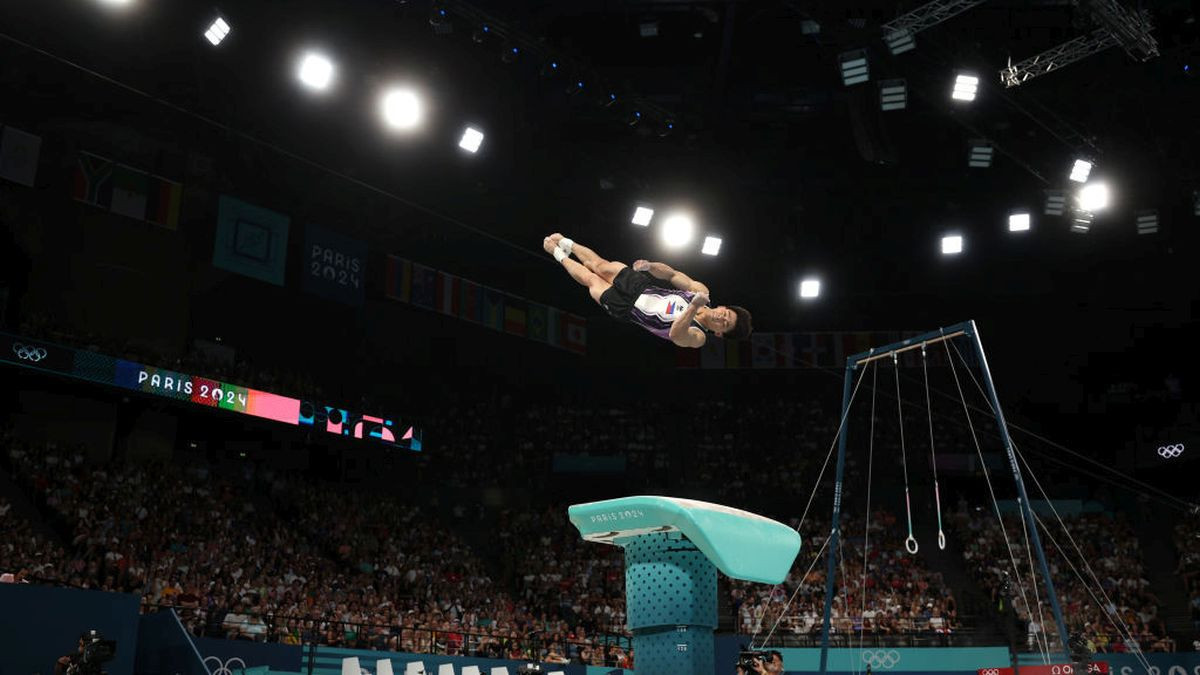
910, 544
937, 492
867, 528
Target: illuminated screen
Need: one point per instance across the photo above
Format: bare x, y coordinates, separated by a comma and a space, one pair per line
93, 367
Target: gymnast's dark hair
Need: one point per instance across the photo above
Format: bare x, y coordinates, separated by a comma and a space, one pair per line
743, 327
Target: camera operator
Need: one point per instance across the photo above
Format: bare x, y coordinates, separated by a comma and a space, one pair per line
760, 663
68, 664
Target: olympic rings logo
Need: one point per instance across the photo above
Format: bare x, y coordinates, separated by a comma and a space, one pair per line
1171, 451
885, 659
225, 668
29, 353
990, 671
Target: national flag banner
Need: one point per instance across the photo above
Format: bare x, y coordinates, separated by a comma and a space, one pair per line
470, 307
514, 316
763, 350
785, 350
535, 320
424, 286
19, 154
712, 354
91, 181
554, 334
335, 265
128, 192
737, 354
398, 283
163, 201
493, 309
250, 240
448, 293
855, 342
575, 333
823, 351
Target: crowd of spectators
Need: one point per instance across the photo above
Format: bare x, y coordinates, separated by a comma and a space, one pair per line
270, 558
1112, 609
1187, 536
895, 593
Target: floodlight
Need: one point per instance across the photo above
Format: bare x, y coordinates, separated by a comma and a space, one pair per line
1093, 197
116, 3
1018, 222
854, 67
952, 244
1147, 222
648, 29
899, 41
1056, 203
642, 215
218, 31
980, 156
402, 109
712, 246
472, 138
1079, 172
1081, 222
810, 288
893, 94
316, 71
677, 230
965, 87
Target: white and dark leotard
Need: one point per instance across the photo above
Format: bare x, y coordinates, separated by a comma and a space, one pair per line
635, 298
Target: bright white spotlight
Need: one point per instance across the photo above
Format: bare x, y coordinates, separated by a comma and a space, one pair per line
1018, 222
472, 138
1079, 172
712, 246
965, 87
1093, 197
642, 216
810, 288
116, 3
316, 71
952, 244
218, 31
677, 230
402, 109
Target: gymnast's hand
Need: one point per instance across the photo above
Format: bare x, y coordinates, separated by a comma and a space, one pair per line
641, 265
700, 300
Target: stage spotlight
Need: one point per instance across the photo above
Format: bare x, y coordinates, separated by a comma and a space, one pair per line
854, 67
634, 118
677, 230
712, 246
1093, 197
316, 71
472, 138
402, 109
1056, 203
575, 87
1080, 171
952, 244
893, 95
609, 100
810, 288
665, 127
218, 31
550, 69
509, 54
1147, 222
642, 215
439, 18
965, 87
980, 156
899, 41
1018, 222
116, 3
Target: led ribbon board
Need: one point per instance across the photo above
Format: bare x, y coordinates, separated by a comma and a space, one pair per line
164, 383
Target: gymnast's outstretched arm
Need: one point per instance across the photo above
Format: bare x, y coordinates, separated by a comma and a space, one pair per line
661, 270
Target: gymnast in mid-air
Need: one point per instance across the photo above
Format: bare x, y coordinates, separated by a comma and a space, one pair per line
677, 311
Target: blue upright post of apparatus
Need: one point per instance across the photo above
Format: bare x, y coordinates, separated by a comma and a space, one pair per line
673, 550
853, 364
837, 511
1036, 539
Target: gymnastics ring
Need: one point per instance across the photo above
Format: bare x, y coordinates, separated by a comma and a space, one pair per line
910, 545
941, 540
